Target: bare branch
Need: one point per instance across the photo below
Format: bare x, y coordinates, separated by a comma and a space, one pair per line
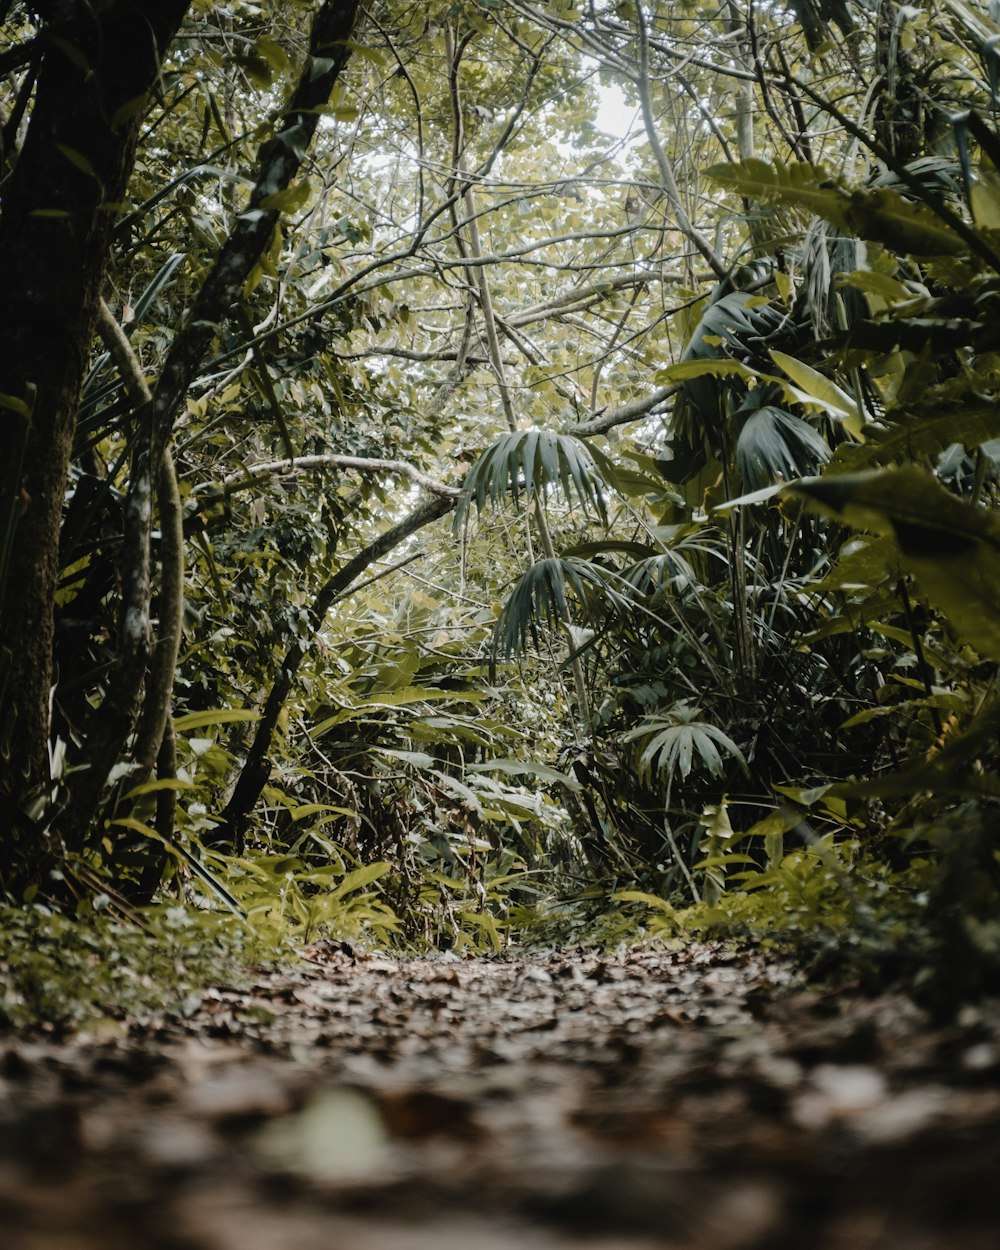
252, 474
667, 178
254, 776
631, 411
475, 248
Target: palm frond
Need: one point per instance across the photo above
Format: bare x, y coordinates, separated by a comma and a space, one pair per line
740, 321
533, 462
775, 444
677, 743
656, 572
737, 329
827, 253
540, 597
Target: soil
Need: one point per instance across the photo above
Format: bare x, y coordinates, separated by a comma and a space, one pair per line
700, 1099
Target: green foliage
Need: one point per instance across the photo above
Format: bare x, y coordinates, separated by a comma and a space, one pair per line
952, 547
284, 897
102, 971
881, 214
679, 741
610, 682
533, 462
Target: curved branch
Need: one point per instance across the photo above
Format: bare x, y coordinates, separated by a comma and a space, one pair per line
253, 777
254, 473
627, 412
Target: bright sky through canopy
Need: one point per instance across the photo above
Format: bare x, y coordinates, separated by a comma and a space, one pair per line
614, 114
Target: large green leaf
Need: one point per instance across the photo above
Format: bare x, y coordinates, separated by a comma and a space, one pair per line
527, 768
880, 214
816, 389
726, 355
952, 547
390, 699
685, 370
655, 571
217, 716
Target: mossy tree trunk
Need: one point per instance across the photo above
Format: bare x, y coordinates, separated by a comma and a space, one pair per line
96, 71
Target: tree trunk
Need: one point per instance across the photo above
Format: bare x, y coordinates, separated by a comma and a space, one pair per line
281, 159
97, 68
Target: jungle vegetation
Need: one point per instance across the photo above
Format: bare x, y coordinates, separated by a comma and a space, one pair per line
477, 470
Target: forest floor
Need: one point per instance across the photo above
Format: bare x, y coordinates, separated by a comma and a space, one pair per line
700, 1099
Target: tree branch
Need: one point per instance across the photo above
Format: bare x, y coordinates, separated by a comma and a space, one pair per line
163, 656
475, 251
627, 412
279, 162
136, 652
253, 777
667, 179
254, 473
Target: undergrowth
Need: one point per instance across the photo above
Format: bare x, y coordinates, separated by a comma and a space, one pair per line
62, 972
840, 915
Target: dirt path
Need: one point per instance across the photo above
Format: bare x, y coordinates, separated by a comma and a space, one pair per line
694, 1099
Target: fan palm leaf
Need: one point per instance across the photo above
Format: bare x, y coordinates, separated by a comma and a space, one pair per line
541, 596
533, 462
774, 444
678, 742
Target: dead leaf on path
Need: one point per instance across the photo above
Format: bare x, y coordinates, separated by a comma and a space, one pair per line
696, 1098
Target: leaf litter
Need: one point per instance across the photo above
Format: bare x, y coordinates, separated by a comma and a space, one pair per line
699, 1098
